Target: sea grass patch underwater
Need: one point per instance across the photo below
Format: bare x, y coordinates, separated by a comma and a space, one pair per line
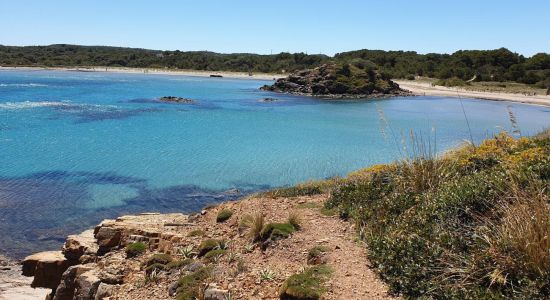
472, 224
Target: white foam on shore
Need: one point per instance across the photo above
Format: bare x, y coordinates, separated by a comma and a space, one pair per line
22, 85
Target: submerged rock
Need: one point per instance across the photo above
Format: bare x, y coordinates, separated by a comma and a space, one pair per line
268, 99
175, 99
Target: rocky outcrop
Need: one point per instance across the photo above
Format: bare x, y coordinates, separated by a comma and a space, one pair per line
174, 99
80, 248
337, 81
87, 269
46, 267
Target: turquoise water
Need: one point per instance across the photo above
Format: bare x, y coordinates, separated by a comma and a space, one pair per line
77, 147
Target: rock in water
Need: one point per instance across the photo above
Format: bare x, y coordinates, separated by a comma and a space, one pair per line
338, 81
174, 99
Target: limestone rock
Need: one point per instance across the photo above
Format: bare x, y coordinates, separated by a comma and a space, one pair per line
80, 248
212, 292
86, 285
104, 290
108, 237
67, 287
46, 267
173, 289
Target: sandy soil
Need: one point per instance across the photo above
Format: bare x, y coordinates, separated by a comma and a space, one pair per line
351, 278
225, 74
422, 88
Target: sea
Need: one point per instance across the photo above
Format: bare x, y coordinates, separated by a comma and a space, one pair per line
80, 147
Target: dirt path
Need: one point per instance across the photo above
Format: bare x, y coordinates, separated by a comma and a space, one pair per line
351, 277
422, 88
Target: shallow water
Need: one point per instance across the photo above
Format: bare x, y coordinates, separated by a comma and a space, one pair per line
77, 147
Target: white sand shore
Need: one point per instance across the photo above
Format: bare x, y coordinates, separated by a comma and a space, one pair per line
225, 74
423, 88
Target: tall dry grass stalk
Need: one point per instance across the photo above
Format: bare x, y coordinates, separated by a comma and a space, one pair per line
513, 121
522, 239
256, 227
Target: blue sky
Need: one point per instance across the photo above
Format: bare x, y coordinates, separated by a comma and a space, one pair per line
273, 26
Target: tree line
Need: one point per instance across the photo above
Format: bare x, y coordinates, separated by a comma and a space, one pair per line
481, 65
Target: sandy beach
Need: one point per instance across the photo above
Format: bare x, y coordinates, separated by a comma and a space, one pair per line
424, 88
225, 74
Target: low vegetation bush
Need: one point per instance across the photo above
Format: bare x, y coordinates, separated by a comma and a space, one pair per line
274, 231
207, 246
214, 254
472, 224
306, 285
190, 286
135, 249
178, 264
159, 258
223, 215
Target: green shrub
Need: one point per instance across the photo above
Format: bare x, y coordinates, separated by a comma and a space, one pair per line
189, 285
178, 264
274, 231
135, 249
306, 285
213, 255
224, 215
159, 258
207, 246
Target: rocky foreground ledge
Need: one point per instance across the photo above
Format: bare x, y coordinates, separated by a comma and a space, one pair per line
255, 248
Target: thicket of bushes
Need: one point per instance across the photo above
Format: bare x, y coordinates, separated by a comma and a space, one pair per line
487, 65
473, 224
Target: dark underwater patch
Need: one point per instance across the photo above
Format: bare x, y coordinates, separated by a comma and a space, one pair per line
39, 210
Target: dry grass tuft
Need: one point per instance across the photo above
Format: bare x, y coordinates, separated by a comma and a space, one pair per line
521, 242
258, 222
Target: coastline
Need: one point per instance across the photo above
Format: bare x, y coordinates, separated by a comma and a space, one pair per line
154, 71
425, 89
415, 88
